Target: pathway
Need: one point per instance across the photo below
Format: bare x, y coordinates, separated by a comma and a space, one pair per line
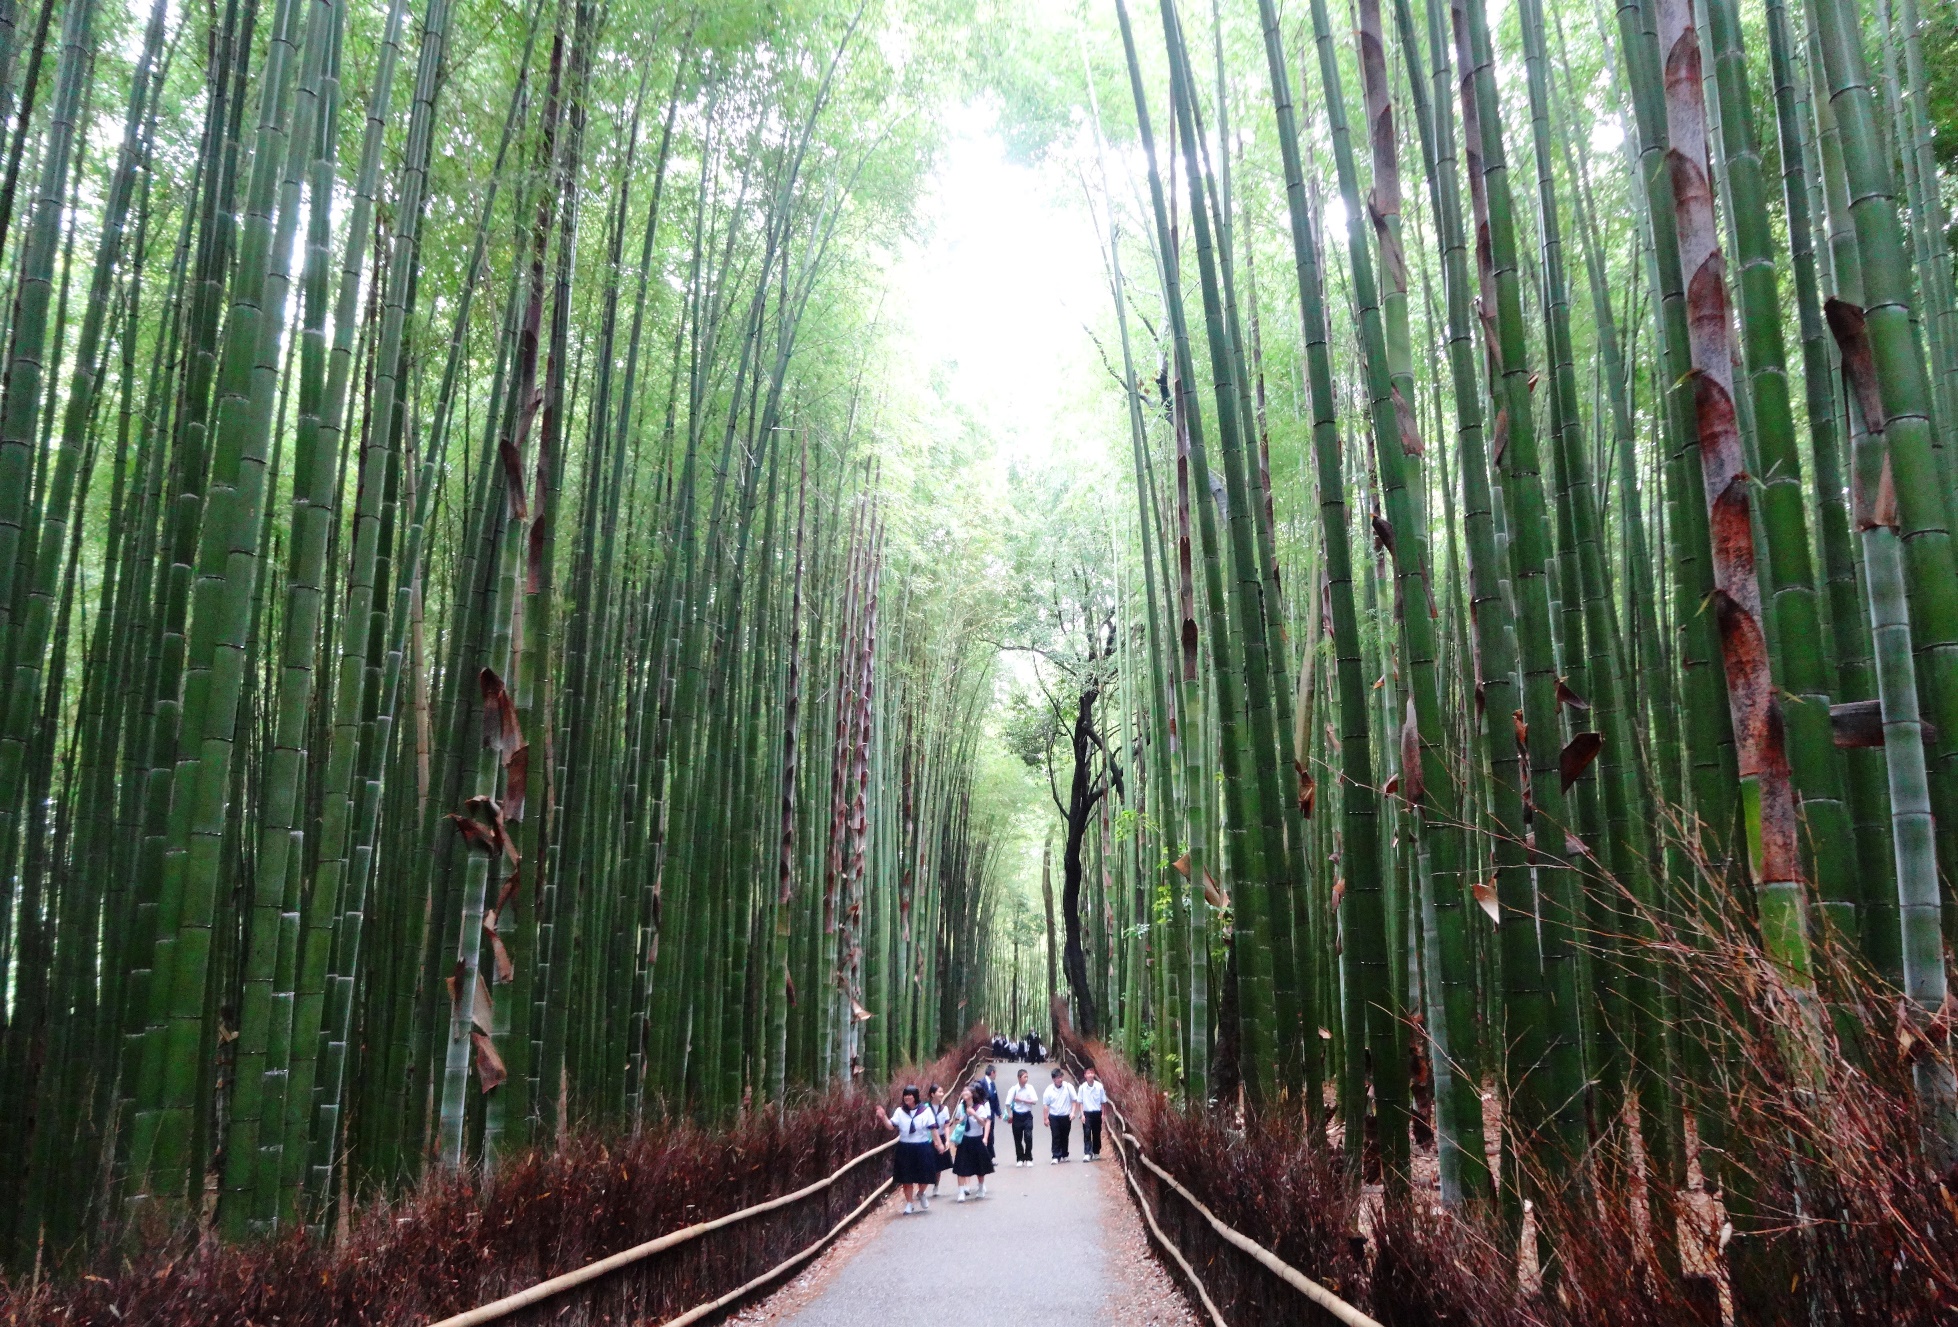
1061, 1243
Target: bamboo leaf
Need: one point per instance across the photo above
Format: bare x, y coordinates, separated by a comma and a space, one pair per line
1577, 755
1410, 427
1413, 784
490, 1071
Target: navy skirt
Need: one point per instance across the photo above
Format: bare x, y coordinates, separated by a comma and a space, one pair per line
915, 1163
974, 1158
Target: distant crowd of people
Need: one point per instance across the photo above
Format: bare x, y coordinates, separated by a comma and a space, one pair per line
933, 1137
1027, 1050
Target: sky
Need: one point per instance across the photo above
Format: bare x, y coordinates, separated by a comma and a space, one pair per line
993, 294
998, 286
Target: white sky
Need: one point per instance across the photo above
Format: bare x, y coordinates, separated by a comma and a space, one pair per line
1000, 286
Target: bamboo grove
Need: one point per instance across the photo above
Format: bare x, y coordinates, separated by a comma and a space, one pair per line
464, 672
1535, 593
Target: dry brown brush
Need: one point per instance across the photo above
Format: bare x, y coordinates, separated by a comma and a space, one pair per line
1808, 1200
462, 1240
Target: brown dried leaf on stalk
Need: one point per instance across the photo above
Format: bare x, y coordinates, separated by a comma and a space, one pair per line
533, 576
476, 834
1884, 513
516, 782
1852, 335
482, 1011
1383, 536
1339, 892
1857, 723
1413, 783
482, 805
1308, 789
528, 416
1522, 731
1485, 897
1213, 895
454, 982
1577, 755
1393, 261
1410, 426
505, 971
1501, 444
490, 1072
512, 482
1570, 699
500, 728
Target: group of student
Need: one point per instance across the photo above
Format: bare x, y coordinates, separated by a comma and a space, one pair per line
932, 1138
1027, 1049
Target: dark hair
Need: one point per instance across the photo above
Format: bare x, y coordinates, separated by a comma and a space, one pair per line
933, 1088
910, 1090
1056, 1073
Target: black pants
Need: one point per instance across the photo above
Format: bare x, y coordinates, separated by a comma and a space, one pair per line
1091, 1132
1059, 1126
1023, 1135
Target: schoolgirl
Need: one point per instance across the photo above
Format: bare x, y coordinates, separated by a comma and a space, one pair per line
973, 1134
942, 1142
915, 1163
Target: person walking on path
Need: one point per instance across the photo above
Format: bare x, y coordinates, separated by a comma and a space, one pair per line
992, 1099
941, 1143
1059, 1102
1093, 1097
915, 1163
973, 1138
1021, 1099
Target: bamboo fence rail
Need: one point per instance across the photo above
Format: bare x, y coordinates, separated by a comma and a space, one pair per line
1317, 1294
499, 1309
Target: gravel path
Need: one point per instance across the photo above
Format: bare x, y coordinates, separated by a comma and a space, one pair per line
1050, 1241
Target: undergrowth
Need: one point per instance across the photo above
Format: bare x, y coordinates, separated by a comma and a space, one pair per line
1811, 1200
460, 1240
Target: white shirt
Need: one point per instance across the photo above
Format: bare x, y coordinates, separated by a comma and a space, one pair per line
914, 1126
1093, 1095
1059, 1099
1023, 1098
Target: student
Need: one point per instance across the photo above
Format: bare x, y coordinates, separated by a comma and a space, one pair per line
991, 1082
942, 1141
1093, 1097
1058, 1103
915, 1164
975, 1136
1021, 1098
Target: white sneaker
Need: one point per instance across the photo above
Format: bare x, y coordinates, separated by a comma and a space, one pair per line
907, 1209
961, 1195
1053, 1161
